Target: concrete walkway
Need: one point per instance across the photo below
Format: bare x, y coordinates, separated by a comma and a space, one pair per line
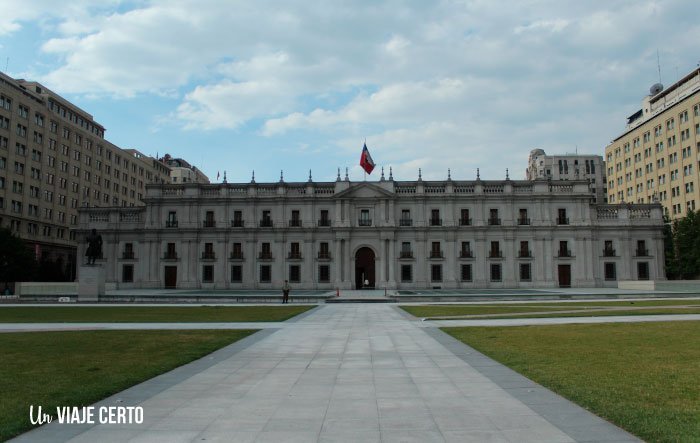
358, 372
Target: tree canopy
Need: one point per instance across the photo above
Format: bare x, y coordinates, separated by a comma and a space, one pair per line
17, 262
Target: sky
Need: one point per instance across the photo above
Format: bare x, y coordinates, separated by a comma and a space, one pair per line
266, 86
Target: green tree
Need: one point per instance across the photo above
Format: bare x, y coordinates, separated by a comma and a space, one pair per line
17, 263
683, 248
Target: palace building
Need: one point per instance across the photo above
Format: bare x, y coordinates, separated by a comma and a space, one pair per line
379, 234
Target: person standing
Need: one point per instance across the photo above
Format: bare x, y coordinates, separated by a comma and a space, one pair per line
285, 292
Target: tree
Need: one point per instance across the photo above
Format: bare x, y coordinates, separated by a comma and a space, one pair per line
17, 263
683, 248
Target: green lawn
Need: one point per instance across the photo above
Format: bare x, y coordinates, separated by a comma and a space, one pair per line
81, 367
642, 377
146, 314
596, 308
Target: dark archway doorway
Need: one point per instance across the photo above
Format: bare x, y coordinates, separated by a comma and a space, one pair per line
364, 268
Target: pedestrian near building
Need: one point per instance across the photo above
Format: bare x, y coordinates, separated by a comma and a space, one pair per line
285, 292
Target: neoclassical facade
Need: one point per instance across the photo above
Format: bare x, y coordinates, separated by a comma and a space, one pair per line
381, 234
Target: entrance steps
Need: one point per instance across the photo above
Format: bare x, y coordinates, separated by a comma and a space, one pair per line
364, 296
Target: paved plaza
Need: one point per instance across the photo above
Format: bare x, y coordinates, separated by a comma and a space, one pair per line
343, 372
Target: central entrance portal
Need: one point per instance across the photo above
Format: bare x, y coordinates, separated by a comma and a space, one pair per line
364, 268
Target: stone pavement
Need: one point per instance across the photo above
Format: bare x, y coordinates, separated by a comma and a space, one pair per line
358, 372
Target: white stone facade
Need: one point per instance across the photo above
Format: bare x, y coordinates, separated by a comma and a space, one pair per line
395, 235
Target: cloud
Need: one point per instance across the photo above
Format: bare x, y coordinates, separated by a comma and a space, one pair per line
458, 78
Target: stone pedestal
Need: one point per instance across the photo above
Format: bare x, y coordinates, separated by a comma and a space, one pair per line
91, 283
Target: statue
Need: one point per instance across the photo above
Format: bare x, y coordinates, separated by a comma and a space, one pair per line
94, 249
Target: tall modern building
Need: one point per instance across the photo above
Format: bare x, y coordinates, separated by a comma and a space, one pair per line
53, 160
657, 157
382, 234
590, 168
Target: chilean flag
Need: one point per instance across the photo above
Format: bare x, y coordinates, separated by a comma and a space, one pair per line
366, 161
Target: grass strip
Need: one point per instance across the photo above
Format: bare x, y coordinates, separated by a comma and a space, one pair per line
642, 377
483, 309
78, 368
147, 314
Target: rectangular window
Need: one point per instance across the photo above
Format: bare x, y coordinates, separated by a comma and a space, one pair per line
562, 219
266, 251
324, 274
405, 219
643, 270
525, 272
493, 217
435, 251
236, 274
208, 273
465, 250
435, 219
323, 250
524, 249
406, 273
495, 251
495, 272
464, 219
296, 220
294, 273
610, 271
564, 249
294, 251
436, 273
127, 273
466, 273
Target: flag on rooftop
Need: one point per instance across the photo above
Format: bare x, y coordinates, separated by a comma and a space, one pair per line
366, 161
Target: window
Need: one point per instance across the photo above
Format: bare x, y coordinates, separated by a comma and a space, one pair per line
522, 217
564, 249
324, 274
364, 218
562, 219
325, 220
209, 219
266, 252
465, 250
171, 222
524, 249
208, 253
642, 250
266, 221
207, 273
436, 273
464, 219
493, 217
643, 270
495, 251
294, 273
265, 274
435, 219
294, 251
236, 274
466, 273
127, 273
406, 273
435, 251
170, 252
525, 272
610, 271
295, 221
405, 219
495, 272
323, 250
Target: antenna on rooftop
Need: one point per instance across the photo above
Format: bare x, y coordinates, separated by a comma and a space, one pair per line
658, 64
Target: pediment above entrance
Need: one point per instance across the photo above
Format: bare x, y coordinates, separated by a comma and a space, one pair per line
365, 190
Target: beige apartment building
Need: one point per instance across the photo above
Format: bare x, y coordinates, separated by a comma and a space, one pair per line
53, 160
657, 158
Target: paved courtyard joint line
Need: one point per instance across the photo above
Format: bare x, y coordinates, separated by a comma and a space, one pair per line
360, 372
